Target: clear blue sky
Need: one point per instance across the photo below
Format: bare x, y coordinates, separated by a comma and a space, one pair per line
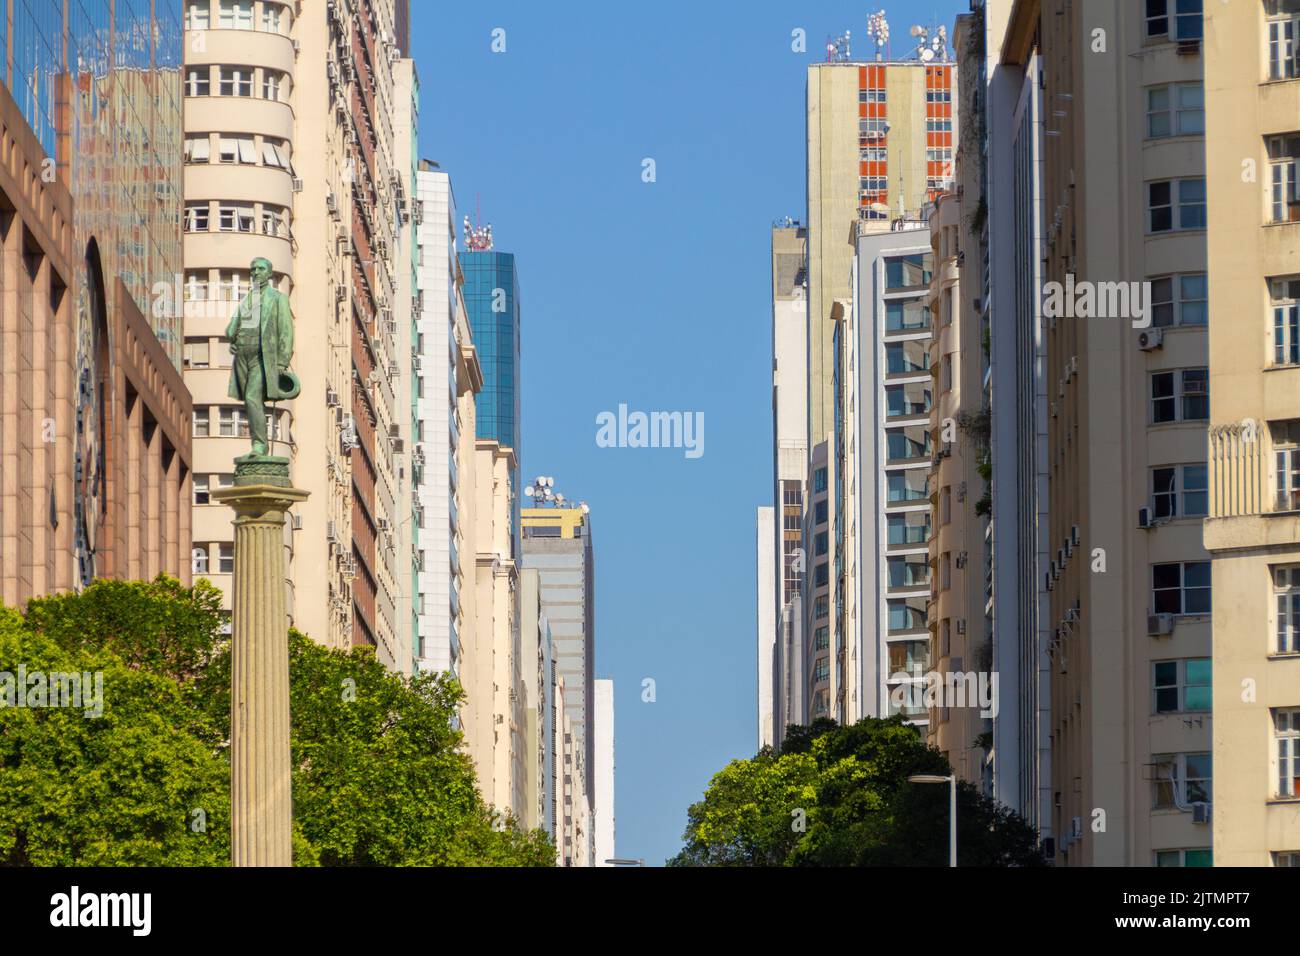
656, 295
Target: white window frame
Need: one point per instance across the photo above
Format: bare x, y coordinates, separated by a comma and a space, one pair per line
1286, 751
198, 149
1179, 788
198, 217
225, 557
202, 494
1182, 589
1180, 685
198, 81
1285, 325
1180, 395
1179, 115
198, 14
199, 559
1177, 496
235, 15
202, 423
1286, 477
1283, 46
239, 79
1178, 299
273, 17
1286, 608
273, 82
1283, 178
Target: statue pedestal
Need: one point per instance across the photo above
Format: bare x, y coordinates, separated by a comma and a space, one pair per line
261, 803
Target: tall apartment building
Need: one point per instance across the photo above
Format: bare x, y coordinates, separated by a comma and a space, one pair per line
961, 540
1101, 605
538, 672
880, 143
880, 140
291, 155
557, 543
1252, 52
573, 837
883, 461
780, 544
95, 453
492, 669
447, 379
602, 796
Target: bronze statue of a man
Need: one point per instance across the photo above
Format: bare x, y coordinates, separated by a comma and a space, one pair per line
261, 338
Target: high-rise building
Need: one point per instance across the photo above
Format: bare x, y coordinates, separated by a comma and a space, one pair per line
492, 667
95, 453
557, 543
602, 796
780, 542
883, 457
538, 673
447, 377
880, 143
1252, 108
291, 155
573, 843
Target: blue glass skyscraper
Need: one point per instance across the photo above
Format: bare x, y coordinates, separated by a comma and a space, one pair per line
491, 293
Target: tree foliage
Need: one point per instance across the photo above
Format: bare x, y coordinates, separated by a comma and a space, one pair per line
839, 796
379, 776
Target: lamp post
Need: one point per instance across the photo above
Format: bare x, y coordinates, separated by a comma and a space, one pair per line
952, 807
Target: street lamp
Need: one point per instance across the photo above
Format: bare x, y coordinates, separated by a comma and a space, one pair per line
952, 807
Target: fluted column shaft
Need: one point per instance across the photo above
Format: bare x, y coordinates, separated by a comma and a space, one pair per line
261, 804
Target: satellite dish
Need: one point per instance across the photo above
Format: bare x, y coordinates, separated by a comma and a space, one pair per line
528, 492
585, 509
560, 498
915, 31
927, 55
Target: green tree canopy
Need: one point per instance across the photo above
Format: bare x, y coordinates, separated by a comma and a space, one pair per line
379, 777
839, 796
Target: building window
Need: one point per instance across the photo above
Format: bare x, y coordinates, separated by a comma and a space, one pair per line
1177, 109
236, 149
1290, 858
272, 84
822, 670
909, 485
1190, 211
1283, 154
272, 17
197, 81
907, 614
821, 512
821, 543
1285, 295
908, 272
235, 15
198, 15
1286, 734
1181, 780
234, 423
911, 527
909, 571
1180, 396
226, 558
1283, 39
822, 638
821, 607
200, 423
1185, 14
1180, 300
819, 480
201, 496
196, 217
197, 353
1182, 685
1179, 491
1182, 587
1287, 466
908, 315
197, 149
906, 358
275, 152
1286, 600
274, 222
236, 81
231, 286
1190, 206
235, 217
1201, 857
821, 576
199, 559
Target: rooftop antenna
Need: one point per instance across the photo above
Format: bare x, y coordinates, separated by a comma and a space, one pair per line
478, 238
878, 30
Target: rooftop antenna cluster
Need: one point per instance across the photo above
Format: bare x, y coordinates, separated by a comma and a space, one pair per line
878, 30
931, 43
838, 49
478, 237
544, 495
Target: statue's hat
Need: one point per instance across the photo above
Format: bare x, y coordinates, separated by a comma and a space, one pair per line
289, 385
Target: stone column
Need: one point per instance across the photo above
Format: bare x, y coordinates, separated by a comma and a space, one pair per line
261, 804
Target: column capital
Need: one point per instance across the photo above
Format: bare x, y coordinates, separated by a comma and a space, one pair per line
254, 500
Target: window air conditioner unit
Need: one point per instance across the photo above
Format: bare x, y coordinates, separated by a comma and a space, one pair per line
1160, 625
1200, 812
1076, 828
394, 431
390, 326
297, 185
1074, 535
1144, 518
296, 521
331, 532
331, 398
1149, 339
383, 524
961, 625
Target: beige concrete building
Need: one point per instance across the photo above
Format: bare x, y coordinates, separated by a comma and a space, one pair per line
573, 836
493, 717
1097, 174
1253, 530
290, 155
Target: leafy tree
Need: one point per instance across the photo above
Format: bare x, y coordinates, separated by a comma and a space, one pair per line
839, 796
378, 774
